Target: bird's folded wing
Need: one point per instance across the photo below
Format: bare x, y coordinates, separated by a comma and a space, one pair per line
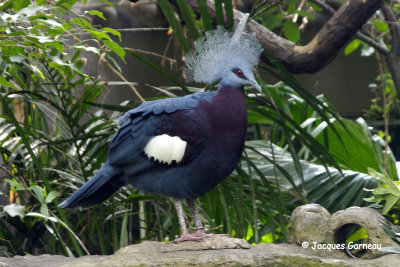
165, 131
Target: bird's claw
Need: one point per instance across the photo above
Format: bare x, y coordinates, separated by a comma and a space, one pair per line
197, 236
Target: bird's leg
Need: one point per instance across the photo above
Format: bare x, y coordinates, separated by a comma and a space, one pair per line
194, 211
196, 216
181, 215
185, 234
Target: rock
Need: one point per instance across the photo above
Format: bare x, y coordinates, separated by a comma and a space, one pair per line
308, 223
164, 254
368, 219
314, 225
213, 242
34, 261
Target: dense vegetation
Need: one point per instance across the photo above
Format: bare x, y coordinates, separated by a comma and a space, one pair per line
54, 135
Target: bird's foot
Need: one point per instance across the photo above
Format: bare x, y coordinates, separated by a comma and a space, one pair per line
196, 236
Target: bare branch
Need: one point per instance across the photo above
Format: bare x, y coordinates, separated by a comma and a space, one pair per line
394, 26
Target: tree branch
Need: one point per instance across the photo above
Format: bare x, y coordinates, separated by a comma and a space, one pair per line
336, 32
382, 49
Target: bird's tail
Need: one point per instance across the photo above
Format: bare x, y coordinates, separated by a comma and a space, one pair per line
98, 188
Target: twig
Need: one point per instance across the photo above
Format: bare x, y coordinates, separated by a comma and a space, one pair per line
83, 33
300, 7
264, 9
163, 57
116, 72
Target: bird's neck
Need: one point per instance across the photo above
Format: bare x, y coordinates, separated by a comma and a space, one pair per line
223, 86
231, 97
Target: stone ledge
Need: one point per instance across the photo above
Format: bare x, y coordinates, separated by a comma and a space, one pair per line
210, 253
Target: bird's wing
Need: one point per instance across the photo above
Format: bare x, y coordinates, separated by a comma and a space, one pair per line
163, 131
168, 105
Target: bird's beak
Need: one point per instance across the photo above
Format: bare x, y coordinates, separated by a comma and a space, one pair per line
257, 86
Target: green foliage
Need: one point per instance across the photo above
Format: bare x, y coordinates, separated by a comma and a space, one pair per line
289, 17
291, 31
44, 98
369, 152
352, 46
387, 191
394, 232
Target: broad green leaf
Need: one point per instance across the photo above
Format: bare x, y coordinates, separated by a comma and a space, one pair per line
270, 20
116, 48
305, 13
39, 192
314, 6
51, 196
380, 25
15, 210
44, 210
65, 4
99, 35
15, 184
357, 235
326, 186
11, 50
355, 134
387, 191
20, 4
108, 3
6, 5
291, 31
352, 46
113, 32
4, 82
96, 13
81, 22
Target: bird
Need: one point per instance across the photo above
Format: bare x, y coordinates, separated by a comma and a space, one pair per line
183, 147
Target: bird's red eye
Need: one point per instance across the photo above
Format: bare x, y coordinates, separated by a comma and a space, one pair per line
239, 73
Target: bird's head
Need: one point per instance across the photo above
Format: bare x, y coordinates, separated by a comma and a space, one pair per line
239, 74
225, 57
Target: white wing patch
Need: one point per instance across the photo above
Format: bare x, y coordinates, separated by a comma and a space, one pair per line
165, 148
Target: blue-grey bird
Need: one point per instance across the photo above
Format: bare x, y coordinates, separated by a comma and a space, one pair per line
183, 147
